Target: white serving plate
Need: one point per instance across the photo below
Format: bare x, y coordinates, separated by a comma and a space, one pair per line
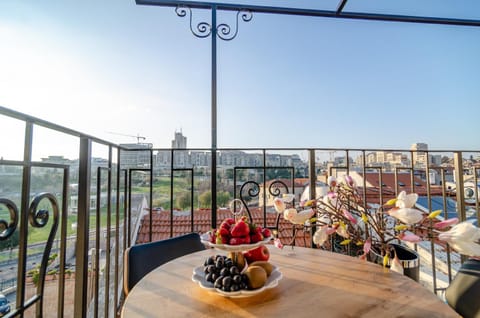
205, 238
272, 281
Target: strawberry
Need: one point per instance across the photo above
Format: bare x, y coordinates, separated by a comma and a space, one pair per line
239, 240
240, 229
256, 237
213, 236
266, 232
224, 232
221, 239
227, 223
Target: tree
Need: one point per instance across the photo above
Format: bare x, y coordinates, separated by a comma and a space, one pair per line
183, 200
205, 199
223, 198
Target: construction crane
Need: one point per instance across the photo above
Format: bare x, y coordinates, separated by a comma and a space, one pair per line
125, 135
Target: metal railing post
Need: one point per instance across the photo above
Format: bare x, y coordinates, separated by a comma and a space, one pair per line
81, 268
459, 192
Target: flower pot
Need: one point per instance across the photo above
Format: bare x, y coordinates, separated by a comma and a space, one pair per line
408, 258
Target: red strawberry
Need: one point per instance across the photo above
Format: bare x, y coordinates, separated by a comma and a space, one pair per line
240, 229
221, 239
213, 236
239, 240
256, 237
266, 232
227, 223
224, 232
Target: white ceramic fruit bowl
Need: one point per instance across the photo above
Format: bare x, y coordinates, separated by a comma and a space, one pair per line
272, 281
205, 238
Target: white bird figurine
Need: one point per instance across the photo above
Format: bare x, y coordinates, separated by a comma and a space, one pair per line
296, 217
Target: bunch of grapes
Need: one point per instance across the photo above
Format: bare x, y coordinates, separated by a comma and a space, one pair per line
224, 274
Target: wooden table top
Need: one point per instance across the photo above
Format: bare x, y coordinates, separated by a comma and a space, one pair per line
315, 283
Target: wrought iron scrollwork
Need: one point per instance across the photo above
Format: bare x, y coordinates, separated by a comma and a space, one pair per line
8, 228
204, 29
275, 188
249, 190
224, 30
38, 218
201, 30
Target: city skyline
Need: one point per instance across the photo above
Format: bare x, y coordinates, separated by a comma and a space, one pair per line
283, 82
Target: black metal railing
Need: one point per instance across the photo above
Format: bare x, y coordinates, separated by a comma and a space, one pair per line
114, 200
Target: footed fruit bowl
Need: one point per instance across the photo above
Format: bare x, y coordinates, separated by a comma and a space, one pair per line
272, 281
205, 238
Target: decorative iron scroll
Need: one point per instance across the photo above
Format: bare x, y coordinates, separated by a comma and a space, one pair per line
249, 189
275, 190
38, 218
8, 228
224, 30
204, 29
201, 30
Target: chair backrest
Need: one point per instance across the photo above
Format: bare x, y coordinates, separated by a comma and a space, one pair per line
141, 259
463, 292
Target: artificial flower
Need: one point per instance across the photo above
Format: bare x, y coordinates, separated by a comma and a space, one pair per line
321, 235
279, 205
409, 237
405, 200
296, 217
446, 223
464, 238
406, 215
332, 181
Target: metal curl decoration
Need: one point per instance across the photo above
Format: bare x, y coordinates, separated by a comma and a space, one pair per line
224, 30
39, 218
252, 192
201, 30
274, 188
8, 228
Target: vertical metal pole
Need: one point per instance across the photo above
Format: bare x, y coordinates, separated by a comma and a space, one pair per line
264, 188
312, 176
117, 233
459, 194
171, 193
23, 229
81, 268
63, 242
214, 117
108, 236
150, 204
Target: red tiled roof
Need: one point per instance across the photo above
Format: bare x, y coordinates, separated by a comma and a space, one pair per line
202, 223
388, 188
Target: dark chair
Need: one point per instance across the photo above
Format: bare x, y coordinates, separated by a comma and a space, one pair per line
141, 259
463, 292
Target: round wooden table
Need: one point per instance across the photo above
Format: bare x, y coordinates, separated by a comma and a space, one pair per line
315, 283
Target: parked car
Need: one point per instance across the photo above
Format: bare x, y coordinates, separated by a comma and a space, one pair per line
4, 305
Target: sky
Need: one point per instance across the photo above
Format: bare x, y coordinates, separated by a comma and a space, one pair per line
117, 70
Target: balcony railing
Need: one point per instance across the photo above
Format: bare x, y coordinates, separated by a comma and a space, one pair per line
71, 219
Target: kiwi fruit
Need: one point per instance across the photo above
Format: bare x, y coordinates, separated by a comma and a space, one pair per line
256, 277
265, 265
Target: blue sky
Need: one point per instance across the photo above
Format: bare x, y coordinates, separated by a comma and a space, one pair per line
112, 66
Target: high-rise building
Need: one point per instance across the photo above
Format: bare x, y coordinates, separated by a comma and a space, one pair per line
180, 141
419, 154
